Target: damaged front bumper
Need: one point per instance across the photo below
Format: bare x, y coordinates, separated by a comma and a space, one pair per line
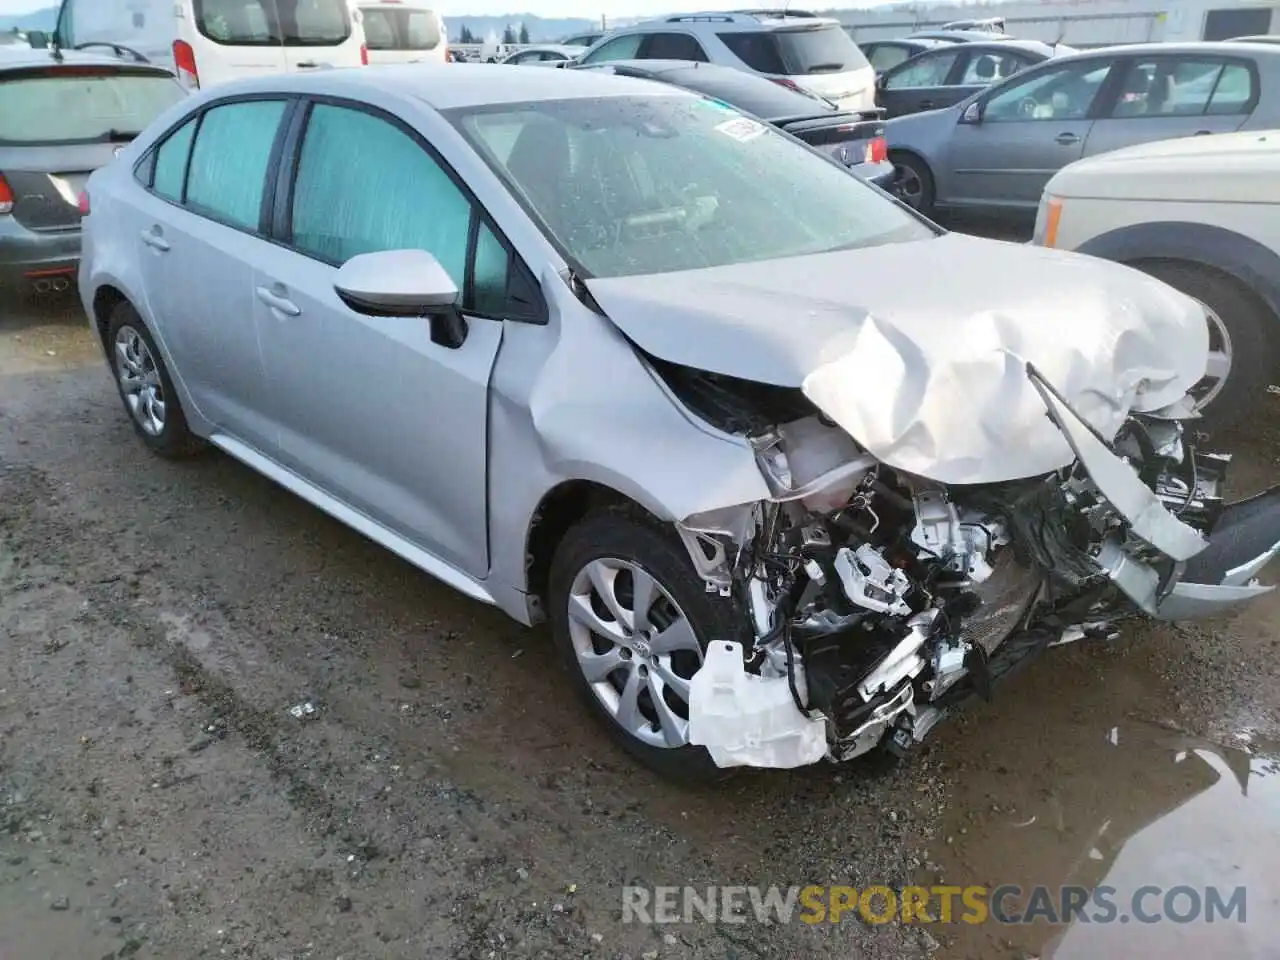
1164, 566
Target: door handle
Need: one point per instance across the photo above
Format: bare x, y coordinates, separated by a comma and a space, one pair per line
1204, 133
278, 301
1067, 139
155, 240
926, 104
307, 64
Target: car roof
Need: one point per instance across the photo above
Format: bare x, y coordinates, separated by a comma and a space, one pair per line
446, 86
20, 58
996, 46
1221, 47
960, 36
732, 20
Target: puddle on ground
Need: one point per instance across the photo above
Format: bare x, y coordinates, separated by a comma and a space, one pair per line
1153, 809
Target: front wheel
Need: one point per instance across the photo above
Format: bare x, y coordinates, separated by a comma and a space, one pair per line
631, 620
913, 181
1241, 354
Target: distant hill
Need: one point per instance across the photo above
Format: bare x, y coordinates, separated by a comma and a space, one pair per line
541, 29
45, 19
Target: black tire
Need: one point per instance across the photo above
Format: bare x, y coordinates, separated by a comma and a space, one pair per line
627, 536
174, 440
911, 169
1250, 324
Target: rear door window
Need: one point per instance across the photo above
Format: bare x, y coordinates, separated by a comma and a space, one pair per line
297, 23
1183, 87
672, 46
988, 67
229, 161
400, 29
82, 104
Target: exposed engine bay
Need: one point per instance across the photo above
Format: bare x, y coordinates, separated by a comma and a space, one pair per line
877, 600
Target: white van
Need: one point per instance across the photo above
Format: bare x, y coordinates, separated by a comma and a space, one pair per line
398, 32
207, 41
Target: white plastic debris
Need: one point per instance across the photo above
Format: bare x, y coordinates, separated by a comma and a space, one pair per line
749, 721
304, 711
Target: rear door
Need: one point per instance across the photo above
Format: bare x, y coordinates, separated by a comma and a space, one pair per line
918, 84
235, 38
201, 231
319, 33
1164, 97
59, 123
1030, 128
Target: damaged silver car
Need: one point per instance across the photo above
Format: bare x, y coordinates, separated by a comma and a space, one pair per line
790, 471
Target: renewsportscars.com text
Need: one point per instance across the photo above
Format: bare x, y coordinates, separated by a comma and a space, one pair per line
1006, 904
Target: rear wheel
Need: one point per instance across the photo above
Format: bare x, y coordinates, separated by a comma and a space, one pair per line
631, 620
1241, 352
145, 387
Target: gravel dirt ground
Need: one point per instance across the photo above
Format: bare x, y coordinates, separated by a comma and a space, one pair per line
450, 799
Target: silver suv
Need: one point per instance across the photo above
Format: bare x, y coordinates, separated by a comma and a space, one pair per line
794, 48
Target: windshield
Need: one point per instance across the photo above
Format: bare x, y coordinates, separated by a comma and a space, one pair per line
293, 23
402, 29
625, 186
82, 104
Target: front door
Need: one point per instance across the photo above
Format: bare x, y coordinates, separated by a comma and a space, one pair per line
369, 409
1027, 132
917, 85
196, 249
1161, 98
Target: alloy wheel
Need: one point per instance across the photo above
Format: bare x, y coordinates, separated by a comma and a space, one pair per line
139, 380
636, 648
1218, 368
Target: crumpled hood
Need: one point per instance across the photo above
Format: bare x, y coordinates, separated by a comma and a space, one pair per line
919, 350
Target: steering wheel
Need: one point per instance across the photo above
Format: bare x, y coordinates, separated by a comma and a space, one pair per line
119, 49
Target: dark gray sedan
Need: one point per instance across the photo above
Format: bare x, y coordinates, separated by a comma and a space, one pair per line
993, 152
948, 74
62, 116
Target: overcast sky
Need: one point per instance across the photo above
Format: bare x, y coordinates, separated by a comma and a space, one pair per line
545, 8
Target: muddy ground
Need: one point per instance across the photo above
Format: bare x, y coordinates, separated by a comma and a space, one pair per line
450, 799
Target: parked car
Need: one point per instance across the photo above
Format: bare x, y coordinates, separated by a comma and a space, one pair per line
544, 55
1262, 38
61, 117
886, 54
206, 42
854, 139
994, 151
1200, 214
793, 48
950, 73
635, 362
398, 33
583, 40
960, 36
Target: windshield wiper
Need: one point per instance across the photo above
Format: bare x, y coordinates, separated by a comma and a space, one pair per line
120, 136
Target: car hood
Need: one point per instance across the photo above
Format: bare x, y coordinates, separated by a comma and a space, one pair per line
919, 350
1188, 168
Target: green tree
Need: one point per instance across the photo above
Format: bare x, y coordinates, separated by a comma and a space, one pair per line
524, 33
508, 34
466, 36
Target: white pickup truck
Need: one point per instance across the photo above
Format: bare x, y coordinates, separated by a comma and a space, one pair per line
1202, 214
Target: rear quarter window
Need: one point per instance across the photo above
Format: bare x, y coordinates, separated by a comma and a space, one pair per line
82, 104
